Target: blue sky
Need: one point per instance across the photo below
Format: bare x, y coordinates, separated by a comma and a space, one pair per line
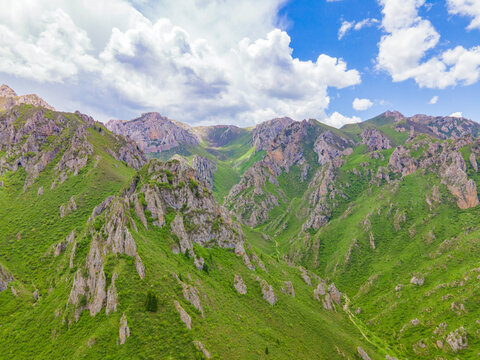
313, 27
225, 61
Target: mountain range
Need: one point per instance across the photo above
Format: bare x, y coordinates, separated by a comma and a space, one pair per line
150, 238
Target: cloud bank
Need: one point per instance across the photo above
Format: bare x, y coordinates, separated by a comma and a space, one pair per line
196, 62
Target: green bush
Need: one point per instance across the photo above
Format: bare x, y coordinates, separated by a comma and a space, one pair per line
151, 302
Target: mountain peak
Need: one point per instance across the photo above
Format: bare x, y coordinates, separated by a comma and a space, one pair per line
13, 99
397, 115
6, 91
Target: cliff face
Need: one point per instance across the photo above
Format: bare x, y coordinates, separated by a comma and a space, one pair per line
263, 134
155, 133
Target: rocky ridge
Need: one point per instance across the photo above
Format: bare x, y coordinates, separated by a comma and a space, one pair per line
154, 133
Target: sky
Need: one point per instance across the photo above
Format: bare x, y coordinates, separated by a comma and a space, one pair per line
243, 62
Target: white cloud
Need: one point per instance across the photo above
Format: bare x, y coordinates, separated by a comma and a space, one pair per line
338, 120
59, 51
468, 8
409, 38
457, 115
352, 25
433, 100
197, 61
362, 104
346, 26
365, 23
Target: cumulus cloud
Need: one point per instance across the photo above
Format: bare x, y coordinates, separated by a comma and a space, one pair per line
433, 100
338, 120
457, 115
198, 62
468, 8
409, 38
352, 25
59, 50
362, 104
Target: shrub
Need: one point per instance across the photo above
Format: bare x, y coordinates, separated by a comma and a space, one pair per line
151, 302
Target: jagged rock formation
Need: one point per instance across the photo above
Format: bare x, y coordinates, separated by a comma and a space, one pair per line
264, 133
363, 354
321, 196
402, 162
187, 320
457, 339
267, 291
374, 139
288, 289
161, 186
124, 330
154, 133
251, 202
418, 280
5, 278
242, 198
206, 168
190, 293
239, 285
67, 208
9, 99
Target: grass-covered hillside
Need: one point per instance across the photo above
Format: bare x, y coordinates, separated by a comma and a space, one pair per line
104, 257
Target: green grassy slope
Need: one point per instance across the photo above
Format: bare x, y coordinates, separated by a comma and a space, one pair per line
235, 326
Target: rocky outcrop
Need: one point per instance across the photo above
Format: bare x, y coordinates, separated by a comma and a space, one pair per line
190, 293
457, 340
124, 330
418, 280
288, 289
455, 177
205, 168
9, 99
202, 348
321, 197
239, 285
67, 208
249, 200
402, 162
5, 278
155, 133
187, 320
264, 133
112, 296
443, 127
374, 139
319, 291
329, 148
304, 275
363, 354
62, 245
267, 291
334, 293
